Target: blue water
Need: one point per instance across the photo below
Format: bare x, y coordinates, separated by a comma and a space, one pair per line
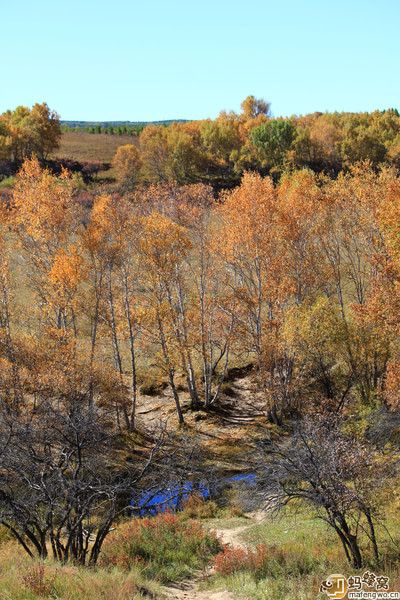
248, 478
152, 502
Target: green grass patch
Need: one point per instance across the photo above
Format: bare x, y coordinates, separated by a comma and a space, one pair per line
288, 556
7, 182
243, 585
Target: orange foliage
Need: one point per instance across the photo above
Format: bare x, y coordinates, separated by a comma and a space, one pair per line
234, 559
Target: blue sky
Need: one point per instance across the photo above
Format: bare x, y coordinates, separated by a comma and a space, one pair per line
155, 59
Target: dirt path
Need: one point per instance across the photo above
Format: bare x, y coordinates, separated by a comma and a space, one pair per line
232, 536
189, 590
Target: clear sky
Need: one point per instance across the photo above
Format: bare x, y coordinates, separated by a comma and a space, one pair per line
160, 59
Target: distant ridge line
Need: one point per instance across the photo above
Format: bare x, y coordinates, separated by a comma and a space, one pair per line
76, 124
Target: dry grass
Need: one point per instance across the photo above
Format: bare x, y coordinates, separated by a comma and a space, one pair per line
137, 555
24, 579
91, 147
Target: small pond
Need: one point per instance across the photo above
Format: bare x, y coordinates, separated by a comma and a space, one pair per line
152, 502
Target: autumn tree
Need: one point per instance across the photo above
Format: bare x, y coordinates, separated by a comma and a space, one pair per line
127, 165
45, 130
360, 143
214, 309
171, 153
353, 246
382, 306
64, 278
317, 143
164, 246
315, 341
253, 107
207, 307
45, 217
5, 141
98, 253
29, 132
10, 381
250, 246
299, 207
111, 241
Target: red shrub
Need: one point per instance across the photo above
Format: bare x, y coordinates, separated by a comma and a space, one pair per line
37, 581
166, 541
233, 559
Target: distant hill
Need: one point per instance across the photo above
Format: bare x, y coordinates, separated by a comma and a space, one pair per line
107, 124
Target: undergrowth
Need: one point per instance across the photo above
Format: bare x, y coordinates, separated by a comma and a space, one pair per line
167, 547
